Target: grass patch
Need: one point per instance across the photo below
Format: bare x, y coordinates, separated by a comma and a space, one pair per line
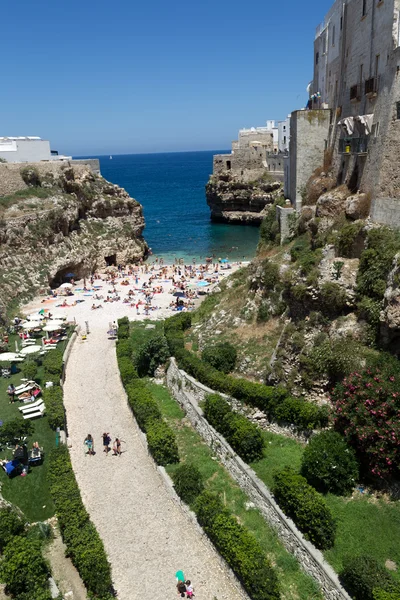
279, 452
31, 192
294, 583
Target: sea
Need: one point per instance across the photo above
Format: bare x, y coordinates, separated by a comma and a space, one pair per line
171, 189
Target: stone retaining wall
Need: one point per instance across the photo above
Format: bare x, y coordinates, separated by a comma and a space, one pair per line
188, 392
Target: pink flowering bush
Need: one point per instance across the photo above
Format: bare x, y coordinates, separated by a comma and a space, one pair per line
367, 413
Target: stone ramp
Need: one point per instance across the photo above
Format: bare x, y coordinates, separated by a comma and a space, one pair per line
146, 535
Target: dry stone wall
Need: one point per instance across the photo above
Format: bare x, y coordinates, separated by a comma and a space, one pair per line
188, 392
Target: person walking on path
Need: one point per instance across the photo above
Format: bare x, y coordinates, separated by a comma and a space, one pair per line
117, 447
89, 444
106, 443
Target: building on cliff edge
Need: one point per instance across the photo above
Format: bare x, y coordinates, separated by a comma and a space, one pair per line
257, 150
31, 149
354, 106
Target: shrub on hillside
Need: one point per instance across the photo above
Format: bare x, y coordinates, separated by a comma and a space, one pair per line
143, 405
392, 594
215, 410
376, 262
162, 443
238, 547
188, 482
301, 413
329, 464
270, 274
84, 545
24, 570
333, 298
367, 408
362, 574
127, 370
306, 507
333, 358
53, 399
11, 524
221, 356
346, 238
152, 354
269, 228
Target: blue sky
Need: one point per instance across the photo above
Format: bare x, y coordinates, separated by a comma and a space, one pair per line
119, 77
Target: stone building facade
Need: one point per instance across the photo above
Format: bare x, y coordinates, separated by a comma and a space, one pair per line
357, 75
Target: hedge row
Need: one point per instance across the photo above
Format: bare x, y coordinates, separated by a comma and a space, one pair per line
52, 365
238, 547
244, 437
123, 328
160, 437
53, 399
271, 400
302, 503
83, 543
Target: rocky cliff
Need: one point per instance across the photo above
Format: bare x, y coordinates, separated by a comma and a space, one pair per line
232, 199
59, 219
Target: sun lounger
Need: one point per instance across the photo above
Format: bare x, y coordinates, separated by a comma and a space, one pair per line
38, 413
26, 396
30, 409
31, 405
25, 387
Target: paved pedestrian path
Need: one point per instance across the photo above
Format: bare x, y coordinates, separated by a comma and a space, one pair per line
146, 535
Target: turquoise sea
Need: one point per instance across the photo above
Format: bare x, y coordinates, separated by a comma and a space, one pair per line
171, 188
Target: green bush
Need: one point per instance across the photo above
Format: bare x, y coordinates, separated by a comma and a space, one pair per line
362, 574
376, 262
152, 354
53, 363
270, 274
238, 547
221, 356
15, 429
332, 298
83, 543
162, 443
123, 322
24, 570
124, 349
392, 594
244, 437
333, 358
329, 464
123, 332
346, 238
306, 507
269, 228
11, 524
29, 369
53, 399
188, 482
301, 413
127, 370
143, 405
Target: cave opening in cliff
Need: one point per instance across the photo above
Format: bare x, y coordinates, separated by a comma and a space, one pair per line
111, 261
228, 165
63, 275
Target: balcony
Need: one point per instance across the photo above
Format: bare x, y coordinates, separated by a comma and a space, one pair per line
371, 87
355, 145
355, 93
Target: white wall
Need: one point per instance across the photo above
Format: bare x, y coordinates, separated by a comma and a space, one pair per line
26, 151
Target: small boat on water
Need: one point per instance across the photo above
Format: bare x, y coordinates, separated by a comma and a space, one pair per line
110, 157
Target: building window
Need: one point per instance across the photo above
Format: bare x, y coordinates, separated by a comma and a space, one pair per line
284, 137
364, 7
333, 35
397, 110
341, 23
317, 58
376, 66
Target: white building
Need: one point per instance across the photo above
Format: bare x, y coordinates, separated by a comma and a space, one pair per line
284, 135
27, 149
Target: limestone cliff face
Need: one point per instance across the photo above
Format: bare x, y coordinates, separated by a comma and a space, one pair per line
232, 199
62, 219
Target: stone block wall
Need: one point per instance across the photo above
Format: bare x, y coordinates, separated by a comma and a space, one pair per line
309, 132
188, 392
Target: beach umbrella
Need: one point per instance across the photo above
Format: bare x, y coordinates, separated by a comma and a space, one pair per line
52, 326
224, 260
66, 285
29, 325
8, 357
202, 283
179, 294
58, 316
30, 350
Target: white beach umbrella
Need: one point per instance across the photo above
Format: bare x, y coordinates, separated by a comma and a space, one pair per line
57, 316
52, 326
35, 317
8, 356
30, 350
30, 325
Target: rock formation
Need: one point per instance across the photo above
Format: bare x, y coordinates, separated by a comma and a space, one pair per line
61, 219
232, 199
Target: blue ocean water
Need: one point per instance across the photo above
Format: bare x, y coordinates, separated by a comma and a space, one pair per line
171, 188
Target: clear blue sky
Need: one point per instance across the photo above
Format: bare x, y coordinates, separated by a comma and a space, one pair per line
152, 76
